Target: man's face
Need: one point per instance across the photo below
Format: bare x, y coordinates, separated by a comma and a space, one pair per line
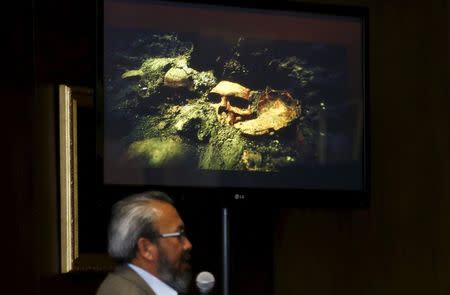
173, 253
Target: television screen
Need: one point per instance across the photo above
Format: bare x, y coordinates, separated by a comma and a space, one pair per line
223, 96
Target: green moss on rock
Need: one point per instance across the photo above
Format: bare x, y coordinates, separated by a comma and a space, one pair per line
196, 120
224, 151
132, 73
158, 151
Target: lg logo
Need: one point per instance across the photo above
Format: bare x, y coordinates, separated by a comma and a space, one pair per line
239, 197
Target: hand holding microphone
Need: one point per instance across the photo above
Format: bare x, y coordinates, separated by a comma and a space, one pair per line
205, 282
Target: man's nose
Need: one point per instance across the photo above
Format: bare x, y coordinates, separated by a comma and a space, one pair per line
187, 244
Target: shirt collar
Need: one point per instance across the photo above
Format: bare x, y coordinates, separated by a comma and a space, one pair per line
158, 286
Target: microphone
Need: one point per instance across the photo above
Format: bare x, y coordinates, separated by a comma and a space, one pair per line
205, 282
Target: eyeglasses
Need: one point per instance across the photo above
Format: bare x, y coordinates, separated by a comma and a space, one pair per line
179, 234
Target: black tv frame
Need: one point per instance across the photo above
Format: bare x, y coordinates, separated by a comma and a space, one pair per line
242, 197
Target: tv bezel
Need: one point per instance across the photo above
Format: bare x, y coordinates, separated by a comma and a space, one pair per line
249, 196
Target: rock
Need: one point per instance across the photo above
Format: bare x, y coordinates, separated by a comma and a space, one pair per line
177, 77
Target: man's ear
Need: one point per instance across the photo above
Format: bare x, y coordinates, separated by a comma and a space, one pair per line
146, 249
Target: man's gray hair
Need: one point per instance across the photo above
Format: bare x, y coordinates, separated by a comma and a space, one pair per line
131, 219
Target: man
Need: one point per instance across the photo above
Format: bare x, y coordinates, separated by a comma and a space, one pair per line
146, 237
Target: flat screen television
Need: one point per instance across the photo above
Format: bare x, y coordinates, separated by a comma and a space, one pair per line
233, 103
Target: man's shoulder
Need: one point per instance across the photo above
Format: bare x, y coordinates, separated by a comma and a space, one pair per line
124, 281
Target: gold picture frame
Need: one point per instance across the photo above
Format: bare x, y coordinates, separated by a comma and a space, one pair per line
71, 258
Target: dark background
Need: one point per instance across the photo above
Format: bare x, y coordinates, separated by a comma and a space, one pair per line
400, 245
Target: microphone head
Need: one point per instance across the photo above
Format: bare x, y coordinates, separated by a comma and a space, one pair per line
205, 282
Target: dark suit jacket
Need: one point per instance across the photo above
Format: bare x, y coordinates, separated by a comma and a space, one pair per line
124, 281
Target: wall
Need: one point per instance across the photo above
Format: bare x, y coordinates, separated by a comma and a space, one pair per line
17, 212
400, 245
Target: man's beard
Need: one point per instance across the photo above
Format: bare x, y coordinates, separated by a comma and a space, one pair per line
179, 280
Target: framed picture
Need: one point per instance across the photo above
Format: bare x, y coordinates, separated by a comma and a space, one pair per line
74, 106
